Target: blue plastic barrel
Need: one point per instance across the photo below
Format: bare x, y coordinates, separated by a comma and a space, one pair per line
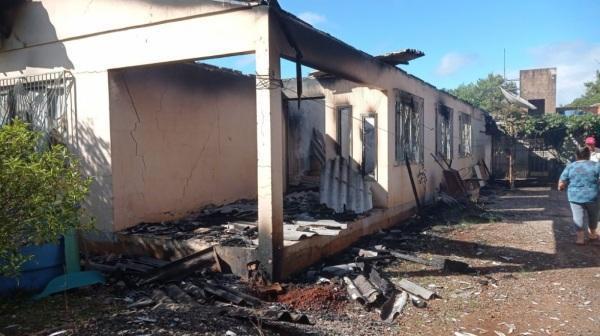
46, 264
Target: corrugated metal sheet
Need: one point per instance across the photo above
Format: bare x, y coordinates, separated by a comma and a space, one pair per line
362, 290
343, 187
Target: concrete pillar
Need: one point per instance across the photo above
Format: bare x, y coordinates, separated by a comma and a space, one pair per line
93, 142
269, 138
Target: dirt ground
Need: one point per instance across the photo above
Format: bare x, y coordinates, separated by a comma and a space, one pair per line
531, 279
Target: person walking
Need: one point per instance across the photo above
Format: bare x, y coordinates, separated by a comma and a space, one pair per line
581, 178
590, 143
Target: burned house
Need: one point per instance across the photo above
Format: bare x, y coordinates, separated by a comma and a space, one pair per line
306, 165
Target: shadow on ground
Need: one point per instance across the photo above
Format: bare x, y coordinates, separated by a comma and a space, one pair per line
543, 236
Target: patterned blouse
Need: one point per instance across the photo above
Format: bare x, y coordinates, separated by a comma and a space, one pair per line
582, 177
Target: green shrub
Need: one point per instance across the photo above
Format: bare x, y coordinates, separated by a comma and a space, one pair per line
560, 132
41, 193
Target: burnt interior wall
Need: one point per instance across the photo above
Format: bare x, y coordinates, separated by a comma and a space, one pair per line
183, 136
347, 105
300, 125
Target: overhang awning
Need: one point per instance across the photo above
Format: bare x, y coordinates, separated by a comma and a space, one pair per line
401, 57
322, 51
517, 100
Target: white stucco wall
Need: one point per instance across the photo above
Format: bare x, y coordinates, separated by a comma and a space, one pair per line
393, 189
76, 19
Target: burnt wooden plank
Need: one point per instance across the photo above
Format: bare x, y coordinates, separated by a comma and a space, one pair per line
181, 268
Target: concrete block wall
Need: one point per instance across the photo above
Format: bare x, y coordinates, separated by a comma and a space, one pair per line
539, 84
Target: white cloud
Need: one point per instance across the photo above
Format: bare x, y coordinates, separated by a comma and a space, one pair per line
312, 18
453, 62
575, 63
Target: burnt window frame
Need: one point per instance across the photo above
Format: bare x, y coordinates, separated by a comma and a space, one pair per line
444, 141
339, 139
409, 116
47, 101
465, 147
364, 116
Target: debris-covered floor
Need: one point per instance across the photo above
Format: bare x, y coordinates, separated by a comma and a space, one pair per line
525, 277
235, 224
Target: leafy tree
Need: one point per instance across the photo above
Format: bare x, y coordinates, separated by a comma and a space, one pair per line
560, 132
41, 191
591, 95
485, 93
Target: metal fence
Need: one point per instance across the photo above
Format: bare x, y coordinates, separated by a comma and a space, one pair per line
533, 159
46, 102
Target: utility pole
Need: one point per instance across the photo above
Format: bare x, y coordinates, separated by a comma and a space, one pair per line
505, 64
511, 159
510, 124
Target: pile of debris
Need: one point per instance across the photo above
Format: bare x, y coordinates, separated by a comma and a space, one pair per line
366, 285
196, 291
358, 270
235, 224
306, 205
152, 285
356, 276
118, 263
231, 224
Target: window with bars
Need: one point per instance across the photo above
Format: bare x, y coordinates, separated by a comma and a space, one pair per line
444, 131
464, 149
44, 101
409, 127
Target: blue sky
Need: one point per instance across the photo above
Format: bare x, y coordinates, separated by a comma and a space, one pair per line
464, 40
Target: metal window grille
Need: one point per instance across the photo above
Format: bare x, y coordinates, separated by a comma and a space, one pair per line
46, 102
409, 127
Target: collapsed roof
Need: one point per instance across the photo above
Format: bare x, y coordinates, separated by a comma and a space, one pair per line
401, 56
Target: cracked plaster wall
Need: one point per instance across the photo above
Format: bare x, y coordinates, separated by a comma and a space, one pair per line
183, 136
